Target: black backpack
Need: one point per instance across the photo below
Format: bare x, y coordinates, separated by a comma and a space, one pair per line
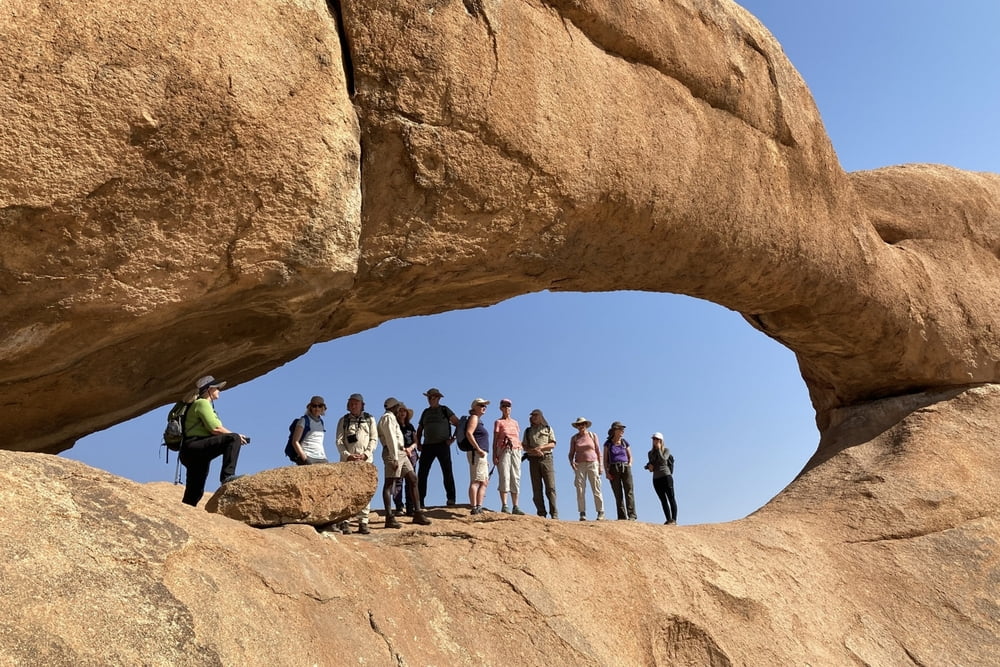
173, 434
463, 442
289, 447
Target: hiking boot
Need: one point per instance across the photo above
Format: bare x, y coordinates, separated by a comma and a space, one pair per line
503, 508
600, 516
555, 516
230, 479
391, 522
421, 519
363, 528
583, 516
517, 510
344, 527
450, 503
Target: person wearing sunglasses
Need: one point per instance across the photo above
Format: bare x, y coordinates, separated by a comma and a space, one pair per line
309, 433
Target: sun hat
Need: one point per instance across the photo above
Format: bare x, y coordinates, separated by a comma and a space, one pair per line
479, 401
356, 397
582, 421
390, 403
657, 436
505, 401
617, 424
433, 391
208, 382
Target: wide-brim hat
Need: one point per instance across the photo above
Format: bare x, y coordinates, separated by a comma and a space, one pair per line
433, 391
582, 421
208, 382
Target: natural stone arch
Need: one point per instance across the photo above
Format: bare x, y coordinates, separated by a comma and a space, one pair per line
572, 127
310, 194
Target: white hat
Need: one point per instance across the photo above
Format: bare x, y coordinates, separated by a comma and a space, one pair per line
582, 421
479, 401
658, 436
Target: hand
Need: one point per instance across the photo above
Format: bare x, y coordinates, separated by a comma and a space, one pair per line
244, 440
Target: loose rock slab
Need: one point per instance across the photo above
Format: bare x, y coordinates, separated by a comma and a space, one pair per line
315, 495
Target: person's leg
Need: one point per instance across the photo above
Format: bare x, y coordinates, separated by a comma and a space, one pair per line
535, 470
427, 456
629, 493
197, 473
514, 479
230, 445
671, 499
388, 491
503, 471
446, 474
617, 489
580, 482
548, 474
660, 489
595, 486
473, 484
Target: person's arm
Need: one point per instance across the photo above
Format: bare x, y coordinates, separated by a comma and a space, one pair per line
296, 438
572, 451
419, 434
369, 450
341, 443
628, 450
498, 433
453, 420
470, 428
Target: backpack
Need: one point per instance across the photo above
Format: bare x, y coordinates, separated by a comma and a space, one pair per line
289, 447
173, 434
435, 425
463, 442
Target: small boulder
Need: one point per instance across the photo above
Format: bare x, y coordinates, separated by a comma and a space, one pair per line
316, 495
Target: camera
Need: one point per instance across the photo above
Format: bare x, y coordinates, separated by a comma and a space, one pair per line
352, 438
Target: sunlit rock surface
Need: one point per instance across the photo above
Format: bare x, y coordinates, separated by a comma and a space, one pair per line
182, 183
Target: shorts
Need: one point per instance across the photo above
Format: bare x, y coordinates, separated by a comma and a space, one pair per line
479, 467
398, 468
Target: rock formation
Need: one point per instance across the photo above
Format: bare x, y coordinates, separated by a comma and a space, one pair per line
293, 171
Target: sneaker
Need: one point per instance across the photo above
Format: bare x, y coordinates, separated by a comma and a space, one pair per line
477, 509
600, 516
344, 527
450, 503
503, 508
555, 516
516, 510
230, 479
583, 516
363, 528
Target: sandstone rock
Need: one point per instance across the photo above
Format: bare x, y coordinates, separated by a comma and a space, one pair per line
316, 495
883, 554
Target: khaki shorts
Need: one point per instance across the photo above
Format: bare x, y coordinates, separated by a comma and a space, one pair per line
479, 467
398, 468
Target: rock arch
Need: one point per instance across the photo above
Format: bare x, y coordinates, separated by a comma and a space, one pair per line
180, 185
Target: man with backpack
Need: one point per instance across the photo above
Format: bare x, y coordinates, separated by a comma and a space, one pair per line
434, 440
357, 436
305, 442
205, 438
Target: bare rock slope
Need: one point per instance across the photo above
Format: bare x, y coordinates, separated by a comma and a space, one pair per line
302, 170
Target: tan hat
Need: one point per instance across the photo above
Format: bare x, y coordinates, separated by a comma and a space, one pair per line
582, 421
433, 391
479, 401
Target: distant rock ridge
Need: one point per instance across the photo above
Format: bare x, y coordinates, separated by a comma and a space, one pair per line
303, 170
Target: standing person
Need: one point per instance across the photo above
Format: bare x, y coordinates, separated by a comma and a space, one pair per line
618, 464
507, 457
357, 436
585, 457
434, 440
403, 416
538, 443
661, 464
397, 465
309, 433
205, 438
479, 437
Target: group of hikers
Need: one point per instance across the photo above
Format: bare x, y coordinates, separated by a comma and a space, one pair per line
409, 450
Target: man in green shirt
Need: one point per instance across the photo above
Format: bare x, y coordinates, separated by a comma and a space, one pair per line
205, 438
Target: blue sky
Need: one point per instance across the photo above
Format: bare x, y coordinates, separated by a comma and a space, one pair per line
894, 81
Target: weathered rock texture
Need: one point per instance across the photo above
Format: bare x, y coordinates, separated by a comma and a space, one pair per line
316, 495
234, 182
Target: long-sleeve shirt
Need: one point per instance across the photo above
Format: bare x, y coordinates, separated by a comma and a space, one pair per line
391, 437
366, 431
